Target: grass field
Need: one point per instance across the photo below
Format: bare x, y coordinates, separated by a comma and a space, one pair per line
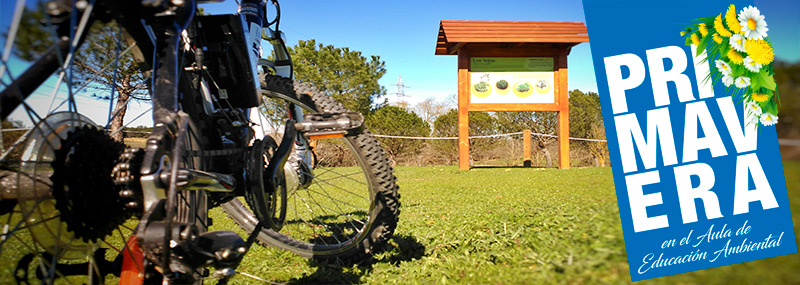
509, 225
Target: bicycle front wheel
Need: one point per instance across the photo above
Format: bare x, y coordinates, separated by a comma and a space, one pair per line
351, 207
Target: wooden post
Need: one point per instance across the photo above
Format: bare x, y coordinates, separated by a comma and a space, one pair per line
526, 149
562, 93
463, 111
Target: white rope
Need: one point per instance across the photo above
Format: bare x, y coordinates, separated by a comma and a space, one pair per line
783, 142
444, 138
482, 137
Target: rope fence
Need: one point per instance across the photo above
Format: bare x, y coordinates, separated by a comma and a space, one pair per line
783, 142
482, 137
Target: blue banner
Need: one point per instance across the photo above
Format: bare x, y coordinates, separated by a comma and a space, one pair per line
691, 132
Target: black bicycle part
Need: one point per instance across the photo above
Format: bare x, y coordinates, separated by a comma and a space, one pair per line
267, 196
83, 186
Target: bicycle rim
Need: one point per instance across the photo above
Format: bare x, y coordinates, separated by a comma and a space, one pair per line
351, 206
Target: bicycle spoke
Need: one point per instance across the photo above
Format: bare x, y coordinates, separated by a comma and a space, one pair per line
12, 33
316, 217
317, 182
342, 212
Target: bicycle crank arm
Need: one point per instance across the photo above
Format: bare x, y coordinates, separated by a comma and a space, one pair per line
328, 125
276, 163
192, 179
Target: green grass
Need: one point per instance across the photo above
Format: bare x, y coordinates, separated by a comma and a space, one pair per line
501, 225
509, 225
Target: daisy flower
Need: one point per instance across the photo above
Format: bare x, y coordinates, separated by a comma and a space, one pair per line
768, 119
717, 38
759, 51
727, 79
742, 82
751, 64
758, 97
737, 42
695, 39
723, 67
720, 27
752, 112
753, 24
730, 19
735, 57
754, 108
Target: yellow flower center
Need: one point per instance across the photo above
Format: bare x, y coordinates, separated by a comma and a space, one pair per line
751, 24
739, 42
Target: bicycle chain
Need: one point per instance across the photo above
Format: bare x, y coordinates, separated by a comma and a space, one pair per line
126, 175
216, 152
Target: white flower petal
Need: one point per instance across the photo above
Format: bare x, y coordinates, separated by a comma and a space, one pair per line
753, 108
742, 82
768, 119
753, 24
751, 64
727, 79
737, 42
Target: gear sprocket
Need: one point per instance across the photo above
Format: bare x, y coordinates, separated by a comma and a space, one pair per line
82, 184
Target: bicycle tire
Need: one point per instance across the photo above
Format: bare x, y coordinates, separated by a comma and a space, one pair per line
384, 198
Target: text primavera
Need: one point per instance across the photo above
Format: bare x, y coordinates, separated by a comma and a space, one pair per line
651, 262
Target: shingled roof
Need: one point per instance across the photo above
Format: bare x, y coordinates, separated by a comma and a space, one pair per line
454, 34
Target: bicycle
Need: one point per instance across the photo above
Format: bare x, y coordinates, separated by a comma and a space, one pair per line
71, 196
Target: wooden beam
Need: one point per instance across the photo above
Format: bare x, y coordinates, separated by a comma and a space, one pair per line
513, 107
454, 49
463, 110
562, 95
526, 148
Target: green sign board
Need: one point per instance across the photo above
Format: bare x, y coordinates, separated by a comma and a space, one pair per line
511, 64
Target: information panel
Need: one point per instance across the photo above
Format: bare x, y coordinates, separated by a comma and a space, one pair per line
512, 80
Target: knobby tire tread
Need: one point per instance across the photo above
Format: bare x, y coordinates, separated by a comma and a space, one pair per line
379, 172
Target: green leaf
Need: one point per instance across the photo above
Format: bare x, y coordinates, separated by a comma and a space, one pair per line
768, 81
755, 83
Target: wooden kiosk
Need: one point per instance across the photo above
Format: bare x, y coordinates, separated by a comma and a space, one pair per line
511, 66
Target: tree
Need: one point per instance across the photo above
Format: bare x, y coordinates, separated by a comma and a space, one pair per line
393, 120
584, 114
586, 121
480, 124
346, 75
101, 49
128, 82
430, 109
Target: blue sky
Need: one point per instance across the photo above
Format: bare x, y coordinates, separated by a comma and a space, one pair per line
404, 34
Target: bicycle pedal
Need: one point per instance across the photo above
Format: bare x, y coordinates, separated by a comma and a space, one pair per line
225, 246
331, 125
